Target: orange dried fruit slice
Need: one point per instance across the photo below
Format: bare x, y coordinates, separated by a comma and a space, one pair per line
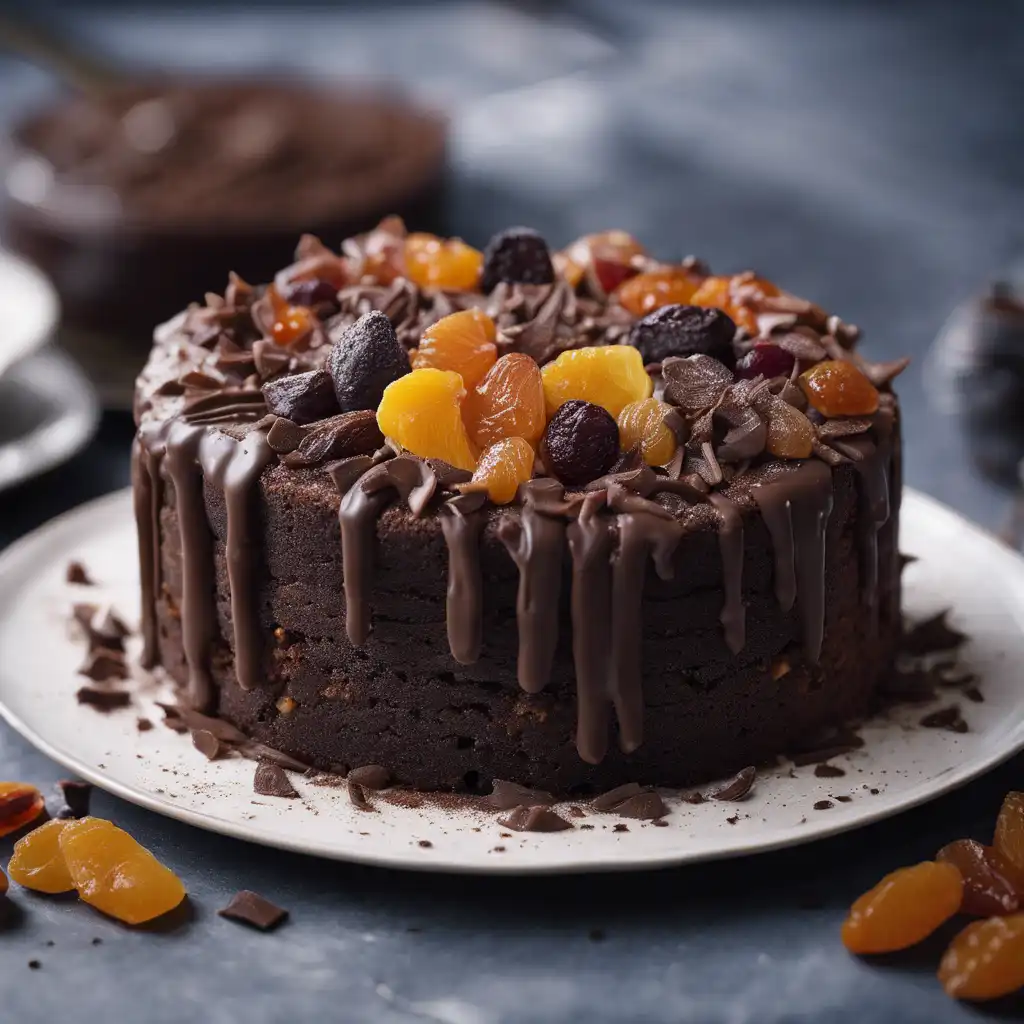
1009, 837
501, 469
20, 804
463, 342
433, 262
986, 960
642, 424
610, 376
508, 402
38, 863
665, 286
737, 295
837, 388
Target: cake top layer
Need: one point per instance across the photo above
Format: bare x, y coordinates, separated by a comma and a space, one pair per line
515, 365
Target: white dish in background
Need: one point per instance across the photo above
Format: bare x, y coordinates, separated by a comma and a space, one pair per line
30, 310
161, 770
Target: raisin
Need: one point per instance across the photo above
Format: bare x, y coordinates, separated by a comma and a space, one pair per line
987, 892
684, 331
791, 435
312, 291
463, 342
837, 388
581, 443
37, 862
519, 256
765, 360
422, 411
666, 286
986, 960
116, 875
1009, 837
501, 469
365, 359
302, 397
904, 908
433, 262
611, 376
20, 804
737, 295
642, 424
508, 402
291, 323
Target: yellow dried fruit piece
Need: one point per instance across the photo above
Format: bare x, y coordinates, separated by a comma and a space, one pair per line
463, 342
37, 862
115, 874
610, 376
422, 411
791, 434
502, 468
643, 424
433, 262
508, 402
986, 960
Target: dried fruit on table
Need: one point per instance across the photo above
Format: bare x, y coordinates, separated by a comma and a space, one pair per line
665, 286
501, 469
684, 331
508, 402
1009, 837
610, 376
837, 388
20, 804
518, 256
433, 262
642, 424
988, 891
904, 908
38, 863
117, 875
738, 295
581, 443
791, 435
463, 342
422, 411
366, 358
290, 323
766, 360
986, 960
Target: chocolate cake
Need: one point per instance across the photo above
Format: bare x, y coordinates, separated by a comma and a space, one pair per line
349, 551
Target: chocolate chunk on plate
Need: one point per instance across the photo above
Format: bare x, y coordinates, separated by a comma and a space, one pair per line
738, 787
270, 780
103, 700
252, 909
77, 573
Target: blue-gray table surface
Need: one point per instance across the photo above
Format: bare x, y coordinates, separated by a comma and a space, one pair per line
866, 154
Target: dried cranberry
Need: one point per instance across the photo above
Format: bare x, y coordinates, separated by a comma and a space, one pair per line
684, 331
517, 255
302, 397
766, 360
367, 356
580, 444
310, 292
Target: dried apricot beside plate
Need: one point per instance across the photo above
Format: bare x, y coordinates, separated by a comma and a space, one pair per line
20, 804
986, 960
38, 863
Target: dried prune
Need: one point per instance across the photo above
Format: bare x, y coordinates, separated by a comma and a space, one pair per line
580, 444
302, 397
365, 359
519, 256
765, 360
684, 331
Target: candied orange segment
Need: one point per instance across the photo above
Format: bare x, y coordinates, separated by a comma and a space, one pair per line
433, 262
791, 434
115, 874
501, 469
666, 286
37, 862
20, 804
989, 888
1009, 837
610, 376
422, 411
290, 322
837, 388
986, 960
904, 908
642, 424
508, 402
463, 342
737, 295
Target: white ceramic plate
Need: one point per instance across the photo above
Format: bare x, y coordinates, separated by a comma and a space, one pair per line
159, 769
30, 310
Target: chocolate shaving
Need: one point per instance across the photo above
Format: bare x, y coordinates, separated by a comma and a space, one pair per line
738, 787
534, 819
348, 434
207, 744
270, 358
104, 664
103, 628
357, 795
946, 718
252, 909
800, 346
932, 635
644, 806
103, 700
843, 427
285, 436
270, 780
506, 796
883, 374
828, 771
78, 574
609, 801
694, 383
370, 776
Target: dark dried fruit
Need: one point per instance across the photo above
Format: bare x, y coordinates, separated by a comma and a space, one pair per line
765, 360
580, 444
366, 358
684, 331
310, 292
303, 397
519, 256
989, 888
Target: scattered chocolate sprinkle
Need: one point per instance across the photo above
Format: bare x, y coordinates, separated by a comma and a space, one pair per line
76, 796
207, 744
143, 724
97, 941
426, 844
576, 812
931, 635
823, 805
660, 822
844, 799
738, 787
534, 819
946, 718
34, 965
370, 776
733, 819
828, 771
357, 795
270, 780
250, 908
620, 827
77, 573
104, 664
506, 796
103, 700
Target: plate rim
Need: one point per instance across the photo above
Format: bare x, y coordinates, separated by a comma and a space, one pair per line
953, 778
35, 337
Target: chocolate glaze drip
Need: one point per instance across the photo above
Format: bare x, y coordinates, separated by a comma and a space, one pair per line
465, 590
147, 497
730, 542
873, 473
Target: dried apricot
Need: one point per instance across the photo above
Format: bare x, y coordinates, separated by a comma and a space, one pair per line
463, 342
508, 402
37, 862
501, 469
20, 804
666, 286
904, 908
791, 435
422, 411
1009, 837
837, 388
610, 376
113, 873
567, 268
987, 890
433, 262
737, 295
290, 322
986, 960
643, 424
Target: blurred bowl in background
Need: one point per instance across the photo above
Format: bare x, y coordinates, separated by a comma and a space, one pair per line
31, 310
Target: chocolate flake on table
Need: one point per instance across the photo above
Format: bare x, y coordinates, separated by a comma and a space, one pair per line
357, 796
620, 827
932, 635
103, 700
250, 908
207, 744
738, 787
946, 718
76, 796
534, 819
78, 574
828, 771
270, 780
506, 796
371, 776
104, 664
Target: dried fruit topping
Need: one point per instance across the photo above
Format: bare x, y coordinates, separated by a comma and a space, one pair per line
766, 360
986, 960
666, 286
580, 444
302, 397
290, 323
463, 342
610, 376
519, 256
607, 258
433, 262
837, 388
113, 873
987, 890
904, 908
737, 295
308, 292
567, 269
422, 411
20, 804
1009, 838
37, 862
791, 434
501, 469
381, 255
508, 402
642, 424
365, 359
684, 331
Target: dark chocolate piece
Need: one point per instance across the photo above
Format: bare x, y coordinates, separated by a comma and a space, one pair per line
103, 700
270, 780
103, 664
932, 635
207, 744
534, 819
357, 795
302, 397
506, 796
143, 724
946, 718
285, 436
77, 573
828, 771
366, 358
738, 787
250, 908
823, 805
370, 776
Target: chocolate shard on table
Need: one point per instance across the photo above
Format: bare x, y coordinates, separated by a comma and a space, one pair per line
252, 909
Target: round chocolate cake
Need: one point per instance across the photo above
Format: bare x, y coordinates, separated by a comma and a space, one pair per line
570, 519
